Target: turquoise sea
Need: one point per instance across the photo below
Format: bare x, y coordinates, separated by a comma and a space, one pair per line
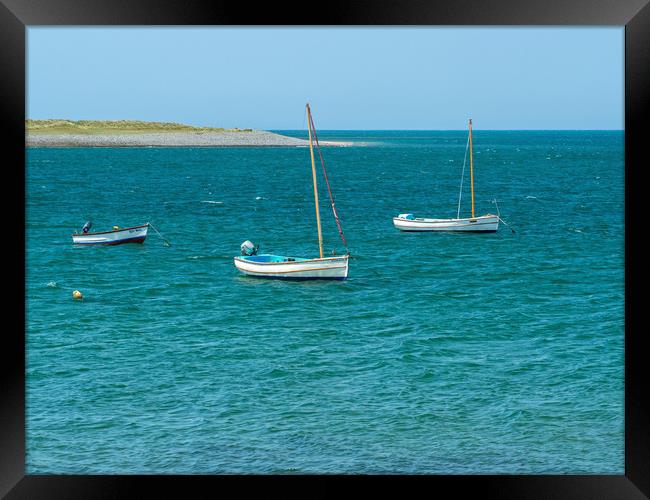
442, 353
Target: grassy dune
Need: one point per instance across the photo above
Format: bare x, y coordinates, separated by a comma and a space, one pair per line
107, 127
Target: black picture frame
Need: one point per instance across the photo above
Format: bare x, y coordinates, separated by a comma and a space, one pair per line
17, 15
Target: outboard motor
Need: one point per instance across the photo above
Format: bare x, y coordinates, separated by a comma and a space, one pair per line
87, 227
247, 248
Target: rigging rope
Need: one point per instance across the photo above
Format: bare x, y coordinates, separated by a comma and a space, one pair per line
329, 189
460, 193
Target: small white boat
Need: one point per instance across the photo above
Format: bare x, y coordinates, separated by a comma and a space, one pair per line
488, 223
136, 234
299, 268
484, 223
277, 266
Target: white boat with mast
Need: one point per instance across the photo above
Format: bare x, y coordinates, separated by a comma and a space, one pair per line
483, 224
299, 268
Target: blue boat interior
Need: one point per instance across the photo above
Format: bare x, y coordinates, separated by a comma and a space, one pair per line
270, 258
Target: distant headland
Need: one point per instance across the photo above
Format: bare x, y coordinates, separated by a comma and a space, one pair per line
134, 133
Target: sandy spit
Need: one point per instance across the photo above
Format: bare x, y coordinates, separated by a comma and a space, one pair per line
258, 138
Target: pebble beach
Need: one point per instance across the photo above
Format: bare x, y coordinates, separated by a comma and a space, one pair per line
256, 138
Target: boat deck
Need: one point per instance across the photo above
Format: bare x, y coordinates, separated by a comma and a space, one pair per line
267, 258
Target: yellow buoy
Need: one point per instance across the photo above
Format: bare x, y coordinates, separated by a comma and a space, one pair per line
77, 295
115, 228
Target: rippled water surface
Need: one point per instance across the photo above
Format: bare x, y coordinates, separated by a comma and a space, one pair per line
443, 353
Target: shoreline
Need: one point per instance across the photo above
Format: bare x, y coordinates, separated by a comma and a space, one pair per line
256, 138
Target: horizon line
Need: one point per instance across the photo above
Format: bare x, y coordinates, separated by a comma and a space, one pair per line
279, 130
271, 129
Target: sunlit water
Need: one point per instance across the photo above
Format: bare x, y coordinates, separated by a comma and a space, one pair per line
443, 353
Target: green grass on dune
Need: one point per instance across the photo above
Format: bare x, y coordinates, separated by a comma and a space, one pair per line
104, 127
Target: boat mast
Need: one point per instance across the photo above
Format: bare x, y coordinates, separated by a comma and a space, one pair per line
471, 165
313, 172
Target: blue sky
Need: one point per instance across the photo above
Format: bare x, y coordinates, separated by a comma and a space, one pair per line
431, 78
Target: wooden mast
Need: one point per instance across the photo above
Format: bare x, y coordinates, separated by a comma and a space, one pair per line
313, 172
471, 165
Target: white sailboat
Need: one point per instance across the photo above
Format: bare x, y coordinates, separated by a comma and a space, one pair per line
483, 224
298, 268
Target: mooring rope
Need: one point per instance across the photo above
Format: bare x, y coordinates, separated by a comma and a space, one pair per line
165, 242
499, 215
506, 224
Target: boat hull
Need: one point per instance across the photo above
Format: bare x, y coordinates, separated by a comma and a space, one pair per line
329, 268
135, 234
484, 224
